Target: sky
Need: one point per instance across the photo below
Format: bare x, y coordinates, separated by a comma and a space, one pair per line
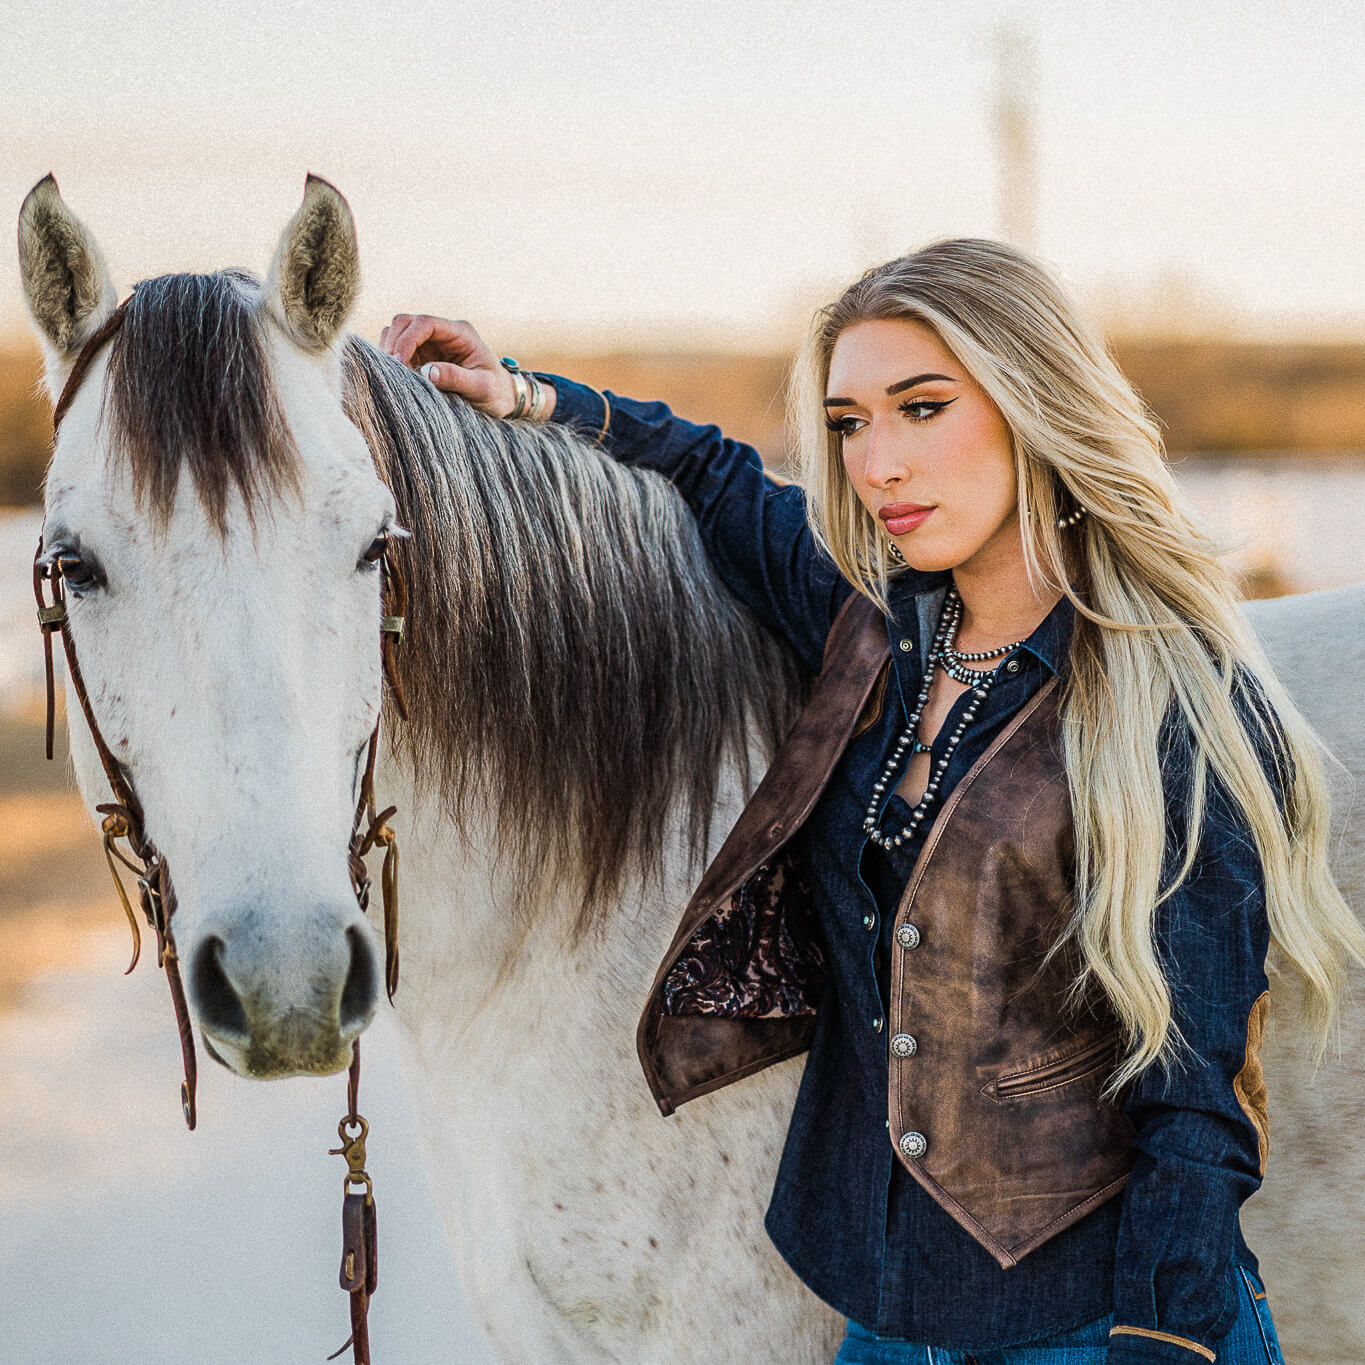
615, 173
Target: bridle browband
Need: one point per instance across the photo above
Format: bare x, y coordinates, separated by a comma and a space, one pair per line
124, 820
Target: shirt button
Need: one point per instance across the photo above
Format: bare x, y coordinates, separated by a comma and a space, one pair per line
907, 645
1012, 666
868, 922
907, 935
903, 1045
913, 1145
878, 1024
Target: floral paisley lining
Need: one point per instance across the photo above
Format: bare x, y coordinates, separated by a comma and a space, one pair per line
758, 957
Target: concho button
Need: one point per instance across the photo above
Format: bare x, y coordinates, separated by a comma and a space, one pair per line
1012, 666
907, 935
869, 921
878, 1024
913, 1145
903, 1045
907, 646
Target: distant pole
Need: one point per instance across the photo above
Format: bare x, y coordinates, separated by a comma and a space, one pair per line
1016, 157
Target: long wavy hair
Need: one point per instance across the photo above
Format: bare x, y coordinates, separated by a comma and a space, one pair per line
1157, 628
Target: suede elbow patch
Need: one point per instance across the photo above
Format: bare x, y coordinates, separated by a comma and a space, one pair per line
1249, 1085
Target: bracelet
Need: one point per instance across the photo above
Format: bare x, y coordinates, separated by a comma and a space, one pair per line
535, 411
531, 397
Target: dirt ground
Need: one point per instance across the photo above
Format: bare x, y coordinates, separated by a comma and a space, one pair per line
54, 884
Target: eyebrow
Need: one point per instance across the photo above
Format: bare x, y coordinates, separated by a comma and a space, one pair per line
893, 389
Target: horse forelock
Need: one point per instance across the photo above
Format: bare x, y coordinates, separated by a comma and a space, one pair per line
189, 385
572, 664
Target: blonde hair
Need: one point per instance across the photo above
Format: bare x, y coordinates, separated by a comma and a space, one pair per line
1157, 624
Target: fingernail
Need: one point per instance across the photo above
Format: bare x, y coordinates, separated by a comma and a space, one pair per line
429, 373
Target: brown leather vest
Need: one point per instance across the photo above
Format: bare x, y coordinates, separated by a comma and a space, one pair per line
994, 1091
993, 1100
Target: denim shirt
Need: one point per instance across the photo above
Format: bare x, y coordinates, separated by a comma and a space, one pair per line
845, 1214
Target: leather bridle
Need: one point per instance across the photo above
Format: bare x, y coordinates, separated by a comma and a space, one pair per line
124, 821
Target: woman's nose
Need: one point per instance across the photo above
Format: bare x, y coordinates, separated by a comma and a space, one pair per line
885, 459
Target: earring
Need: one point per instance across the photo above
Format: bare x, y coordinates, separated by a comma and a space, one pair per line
894, 551
1071, 519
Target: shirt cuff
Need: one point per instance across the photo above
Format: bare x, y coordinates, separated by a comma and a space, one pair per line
580, 407
1149, 1346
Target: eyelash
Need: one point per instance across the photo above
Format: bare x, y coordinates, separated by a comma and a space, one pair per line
836, 424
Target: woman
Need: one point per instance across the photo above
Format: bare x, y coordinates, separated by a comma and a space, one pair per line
977, 469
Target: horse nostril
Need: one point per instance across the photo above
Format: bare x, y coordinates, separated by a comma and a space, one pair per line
361, 988
220, 1010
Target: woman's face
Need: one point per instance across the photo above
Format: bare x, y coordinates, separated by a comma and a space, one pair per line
919, 433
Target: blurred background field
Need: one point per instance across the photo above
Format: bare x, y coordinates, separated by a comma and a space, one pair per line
1216, 398
655, 201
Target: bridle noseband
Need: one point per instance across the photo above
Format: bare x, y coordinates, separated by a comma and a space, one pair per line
123, 820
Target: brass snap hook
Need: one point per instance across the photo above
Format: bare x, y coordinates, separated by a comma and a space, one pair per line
353, 1149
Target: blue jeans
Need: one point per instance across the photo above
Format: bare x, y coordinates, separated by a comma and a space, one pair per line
1252, 1341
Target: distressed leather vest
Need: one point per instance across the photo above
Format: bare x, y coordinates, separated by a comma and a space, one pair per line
993, 1097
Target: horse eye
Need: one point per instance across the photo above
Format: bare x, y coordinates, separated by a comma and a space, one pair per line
378, 546
76, 571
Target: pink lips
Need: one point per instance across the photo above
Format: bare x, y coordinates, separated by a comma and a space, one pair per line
901, 517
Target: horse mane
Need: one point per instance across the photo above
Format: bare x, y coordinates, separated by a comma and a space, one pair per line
189, 383
572, 663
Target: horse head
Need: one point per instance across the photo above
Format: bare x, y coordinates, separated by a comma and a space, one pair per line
219, 527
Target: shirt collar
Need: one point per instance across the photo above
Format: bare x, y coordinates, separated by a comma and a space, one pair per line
1050, 642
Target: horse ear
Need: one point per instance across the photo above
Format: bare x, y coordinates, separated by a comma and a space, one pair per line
67, 288
315, 275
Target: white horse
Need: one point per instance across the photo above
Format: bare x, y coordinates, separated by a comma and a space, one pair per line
589, 711
1307, 1222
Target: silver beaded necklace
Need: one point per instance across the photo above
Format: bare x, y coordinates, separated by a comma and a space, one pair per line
954, 660
980, 680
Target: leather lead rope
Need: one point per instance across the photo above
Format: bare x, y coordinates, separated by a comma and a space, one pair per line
359, 1228
123, 820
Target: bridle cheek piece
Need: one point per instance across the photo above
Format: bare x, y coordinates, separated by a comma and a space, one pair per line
123, 821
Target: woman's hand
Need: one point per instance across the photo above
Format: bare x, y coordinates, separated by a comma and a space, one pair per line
453, 357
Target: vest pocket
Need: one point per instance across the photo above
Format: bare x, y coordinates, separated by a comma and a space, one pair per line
1052, 1075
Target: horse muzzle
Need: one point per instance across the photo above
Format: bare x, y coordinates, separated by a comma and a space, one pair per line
273, 1005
